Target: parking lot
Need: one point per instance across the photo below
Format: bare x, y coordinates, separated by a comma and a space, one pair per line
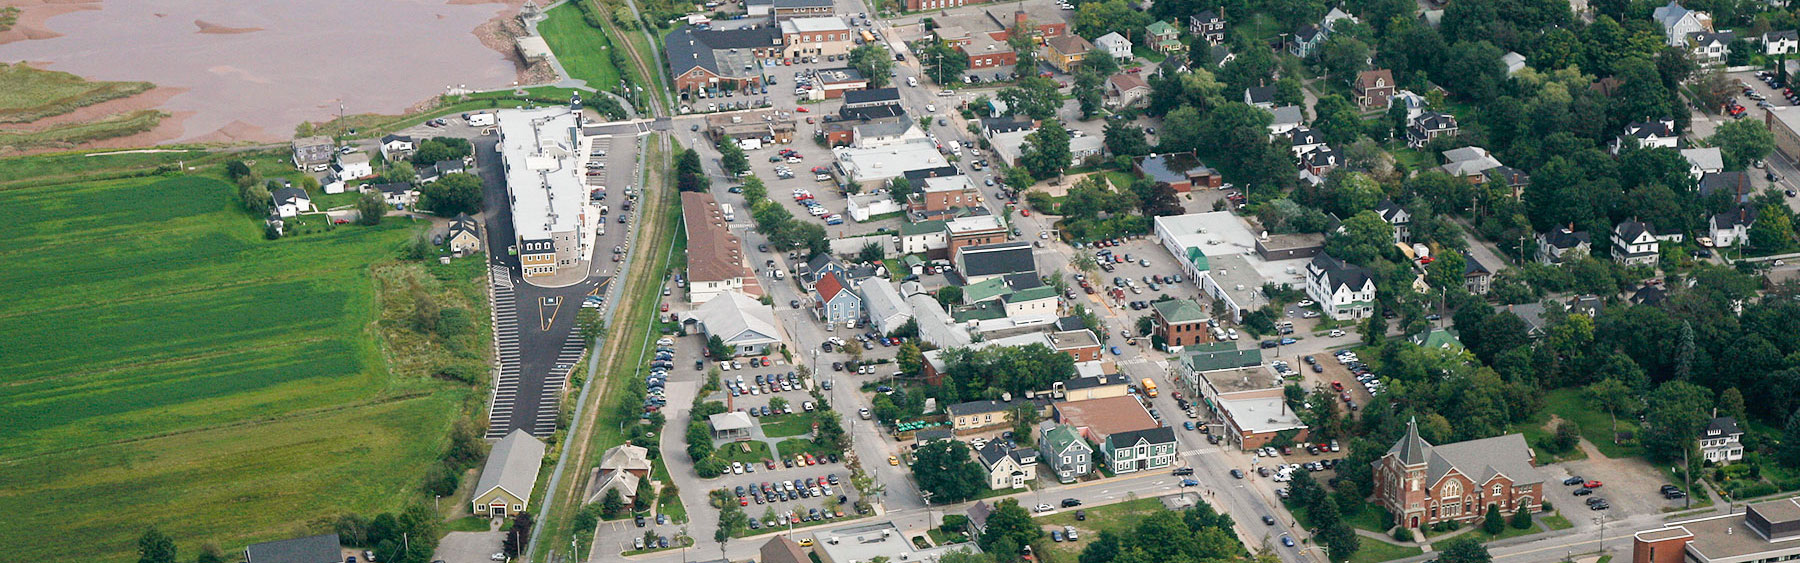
1630, 486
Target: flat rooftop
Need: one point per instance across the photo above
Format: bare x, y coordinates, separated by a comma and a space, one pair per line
1216, 233
893, 161
1242, 379
863, 543
1268, 414
1241, 279
1107, 416
544, 174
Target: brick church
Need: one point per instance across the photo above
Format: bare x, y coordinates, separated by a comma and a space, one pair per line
1422, 484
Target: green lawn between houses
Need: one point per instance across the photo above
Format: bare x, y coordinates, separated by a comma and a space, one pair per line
585, 52
164, 365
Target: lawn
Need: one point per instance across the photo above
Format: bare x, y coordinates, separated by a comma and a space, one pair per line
748, 452
1116, 518
1375, 552
1557, 522
28, 94
167, 366
72, 166
1364, 515
783, 426
1482, 536
1596, 425
585, 51
1539, 438
792, 446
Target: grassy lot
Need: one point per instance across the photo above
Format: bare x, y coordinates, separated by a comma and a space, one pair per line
1557, 522
69, 167
1539, 437
583, 50
786, 425
28, 94
747, 452
1116, 518
1376, 552
938, 537
167, 366
1596, 426
70, 134
1364, 515
1482, 536
792, 446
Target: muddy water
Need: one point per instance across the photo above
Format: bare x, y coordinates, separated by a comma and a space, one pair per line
254, 69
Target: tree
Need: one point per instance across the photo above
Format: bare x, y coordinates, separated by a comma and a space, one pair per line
613, 504
1742, 141
1009, 522
237, 169
1677, 410
943, 62
1344, 56
716, 348
155, 547
645, 494
732, 158
1465, 550
452, 194
1493, 523
369, 209
689, 175
1046, 151
870, 252
1612, 396
1521, 518
949, 295
873, 62
436, 149
946, 469
1773, 231
1364, 238
1788, 451
1125, 139
1033, 96
1341, 539
257, 199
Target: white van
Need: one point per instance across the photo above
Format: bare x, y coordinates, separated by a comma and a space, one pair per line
912, 81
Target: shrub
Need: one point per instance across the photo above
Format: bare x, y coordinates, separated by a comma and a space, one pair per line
1403, 534
1521, 519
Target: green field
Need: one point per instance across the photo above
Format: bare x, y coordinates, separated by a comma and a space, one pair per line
782, 426
1596, 425
164, 365
585, 52
28, 94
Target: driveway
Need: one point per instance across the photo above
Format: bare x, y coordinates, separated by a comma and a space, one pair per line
469, 547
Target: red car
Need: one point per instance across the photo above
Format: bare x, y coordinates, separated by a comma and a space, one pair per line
1025, 212
1337, 386
802, 110
743, 501
1591, 484
340, 221
665, 307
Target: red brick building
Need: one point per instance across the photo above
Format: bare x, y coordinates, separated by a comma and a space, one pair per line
1179, 322
1422, 484
722, 59
1374, 89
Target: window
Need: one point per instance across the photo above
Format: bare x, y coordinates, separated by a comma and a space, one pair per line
1497, 489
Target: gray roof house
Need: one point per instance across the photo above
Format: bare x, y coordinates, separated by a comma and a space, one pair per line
887, 310
509, 475
744, 323
311, 549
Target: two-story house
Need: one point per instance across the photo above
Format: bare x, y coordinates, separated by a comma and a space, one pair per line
1731, 227
1784, 42
1374, 89
1648, 135
1062, 448
1430, 125
1476, 277
1114, 44
1306, 40
1163, 37
1421, 484
1207, 25
1553, 245
1722, 442
1066, 51
836, 302
1315, 164
1709, 47
1635, 243
1677, 22
1343, 290
1008, 468
1140, 450
1397, 217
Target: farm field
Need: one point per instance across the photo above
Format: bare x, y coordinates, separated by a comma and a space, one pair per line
164, 365
585, 52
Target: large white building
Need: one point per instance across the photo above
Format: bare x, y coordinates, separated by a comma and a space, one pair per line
544, 154
1216, 250
1344, 291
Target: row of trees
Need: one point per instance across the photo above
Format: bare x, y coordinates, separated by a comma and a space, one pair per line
774, 221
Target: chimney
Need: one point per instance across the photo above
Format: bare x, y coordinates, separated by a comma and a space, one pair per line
1019, 18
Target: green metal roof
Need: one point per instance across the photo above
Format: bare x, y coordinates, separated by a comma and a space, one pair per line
1210, 361
978, 292
1179, 310
1033, 294
1058, 438
922, 227
911, 260
1198, 258
1439, 338
1160, 28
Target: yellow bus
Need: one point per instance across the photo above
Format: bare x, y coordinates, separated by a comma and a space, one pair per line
868, 37
1149, 387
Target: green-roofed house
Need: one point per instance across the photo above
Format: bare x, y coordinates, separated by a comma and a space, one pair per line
924, 237
993, 288
1062, 447
1216, 356
1163, 37
1038, 301
1179, 323
1439, 338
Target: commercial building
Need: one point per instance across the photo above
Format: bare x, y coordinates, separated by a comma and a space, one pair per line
715, 255
768, 125
504, 488
711, 59
1130, 439
863, 543
545, 154
1216, 249
815, 36
1784, 123
979, 263
873, 167
746, 325
944, 193
1763, 532
1178, 323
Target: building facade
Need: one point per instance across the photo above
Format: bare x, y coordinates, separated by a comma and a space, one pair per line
1422, 484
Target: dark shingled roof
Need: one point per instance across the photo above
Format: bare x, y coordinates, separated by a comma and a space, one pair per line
996, 259
872, 96
311, 549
